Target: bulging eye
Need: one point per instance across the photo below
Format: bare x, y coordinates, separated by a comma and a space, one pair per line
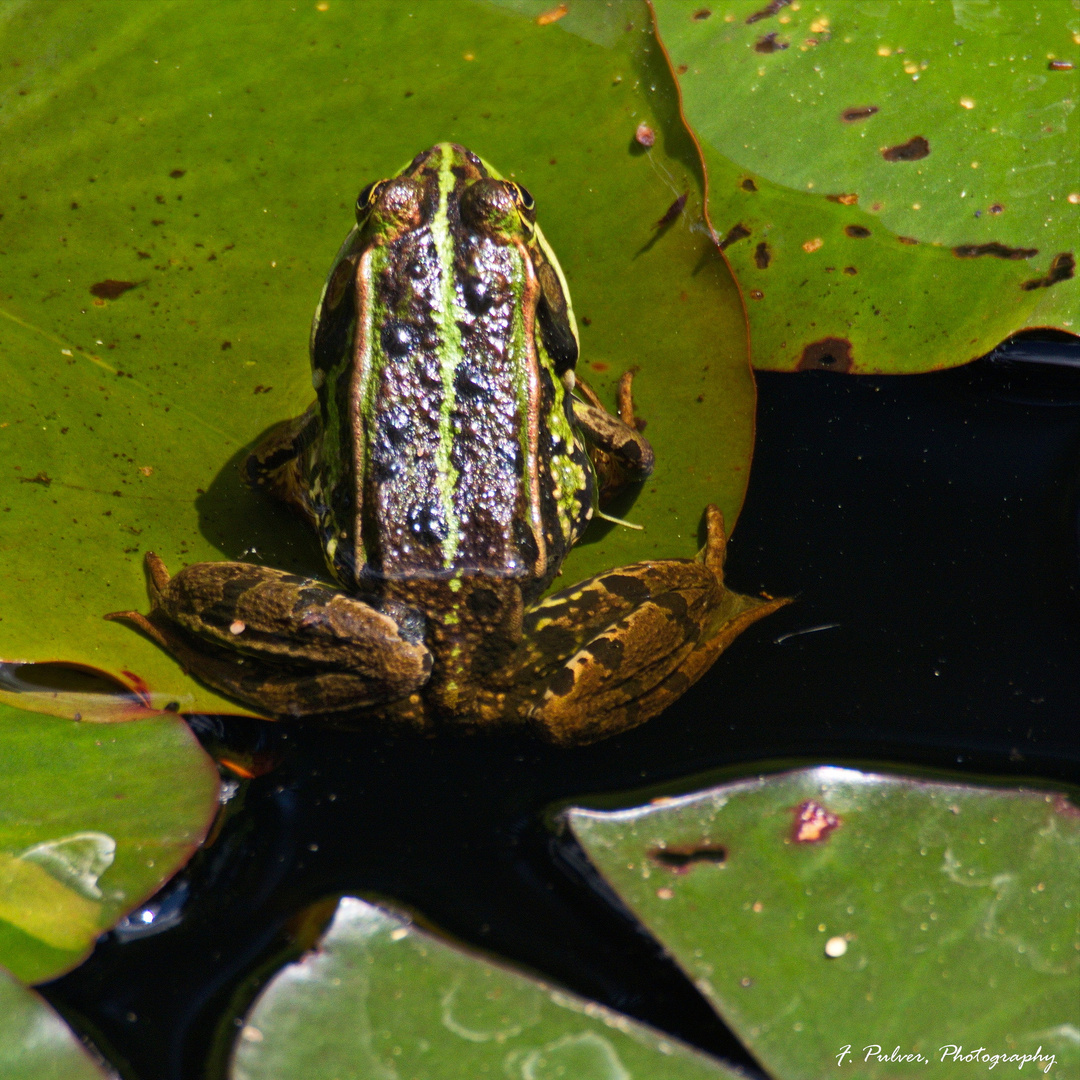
523, 198
366, 199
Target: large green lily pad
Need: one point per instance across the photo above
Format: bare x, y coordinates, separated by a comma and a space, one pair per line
93, 820
175, 180
896, 181
35, 1044
383, 999
828, 908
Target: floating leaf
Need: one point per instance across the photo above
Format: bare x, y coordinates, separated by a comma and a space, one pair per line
85, 834
827, 908
382, 999
158, 149
895, 181
35, 1044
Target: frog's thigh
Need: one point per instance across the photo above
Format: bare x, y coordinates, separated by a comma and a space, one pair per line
270, 634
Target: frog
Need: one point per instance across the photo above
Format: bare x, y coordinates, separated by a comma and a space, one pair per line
451, 460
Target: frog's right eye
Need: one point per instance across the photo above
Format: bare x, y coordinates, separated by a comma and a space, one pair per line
366, 199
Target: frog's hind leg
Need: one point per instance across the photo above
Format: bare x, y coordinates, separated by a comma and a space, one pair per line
280, 463
656, 628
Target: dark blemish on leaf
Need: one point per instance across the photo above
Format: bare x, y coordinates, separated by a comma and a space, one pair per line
42, 478
857, 232
999, 251
1060, 65
748, 185
226, 345
110, 289
74, 206
828, 354
844, 200
260, 389
1062, 268
857, 112
408, 93
907, 239
672, 212
586, 321
755, 294
768, 10
701, 14
736, 232
997, 208
770, 44
682, 858
682, 69
915, 149
762, 256
850, 270
813, 823
177, 173
143, 254
157, 221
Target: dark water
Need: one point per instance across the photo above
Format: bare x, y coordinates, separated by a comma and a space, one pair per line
930, 528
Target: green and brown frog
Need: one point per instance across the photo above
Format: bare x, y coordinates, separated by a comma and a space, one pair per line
448, 464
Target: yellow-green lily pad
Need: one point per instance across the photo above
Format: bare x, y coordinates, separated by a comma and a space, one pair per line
35, 1044
381, 998
185, 173
895, 182
826, 912
93, 820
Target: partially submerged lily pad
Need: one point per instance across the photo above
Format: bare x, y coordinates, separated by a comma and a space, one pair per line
167, 222
35, 1044
895, 182
382, 998
828, 908
85, 832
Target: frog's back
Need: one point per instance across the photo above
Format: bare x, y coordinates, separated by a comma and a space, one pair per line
447, 445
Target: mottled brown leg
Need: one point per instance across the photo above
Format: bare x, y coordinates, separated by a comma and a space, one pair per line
620, 453
642, 658
277, 464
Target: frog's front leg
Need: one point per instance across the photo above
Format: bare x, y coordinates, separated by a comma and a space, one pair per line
629, 642
620, 453
284, 644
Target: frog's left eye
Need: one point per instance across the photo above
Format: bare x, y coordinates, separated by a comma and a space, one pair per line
366, 199
523, 197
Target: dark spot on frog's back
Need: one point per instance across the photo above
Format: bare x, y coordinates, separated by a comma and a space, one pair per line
478, 295
915, 149
828, 354
426, 524
397, 338
484, 603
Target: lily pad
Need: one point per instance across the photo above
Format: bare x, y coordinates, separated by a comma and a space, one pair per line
35, 1044
827, 909
173, 205
85, 834
895, 182
382, 998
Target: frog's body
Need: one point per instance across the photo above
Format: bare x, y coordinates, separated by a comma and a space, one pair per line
445, 468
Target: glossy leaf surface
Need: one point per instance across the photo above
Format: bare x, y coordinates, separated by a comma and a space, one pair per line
896, 181
86, 829
35, 1044
381, 998
828, 908
171, 202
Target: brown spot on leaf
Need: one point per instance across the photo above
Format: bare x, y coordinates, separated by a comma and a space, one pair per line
907, 239
177, 173
755, 294
682, 69
736, 232
849, 199
857, 232
999, 251
813, 823
828, 354
915, 149
768, 10
672, 212
769, 43
850, 270
226, 345
997, 208
854, 113
681, 857
748, 185
701, 14
110, 289
1060, 65
762, 256
1062, 268
42, 478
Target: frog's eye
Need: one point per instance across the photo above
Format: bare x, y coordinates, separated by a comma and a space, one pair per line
366, 199
523, 197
